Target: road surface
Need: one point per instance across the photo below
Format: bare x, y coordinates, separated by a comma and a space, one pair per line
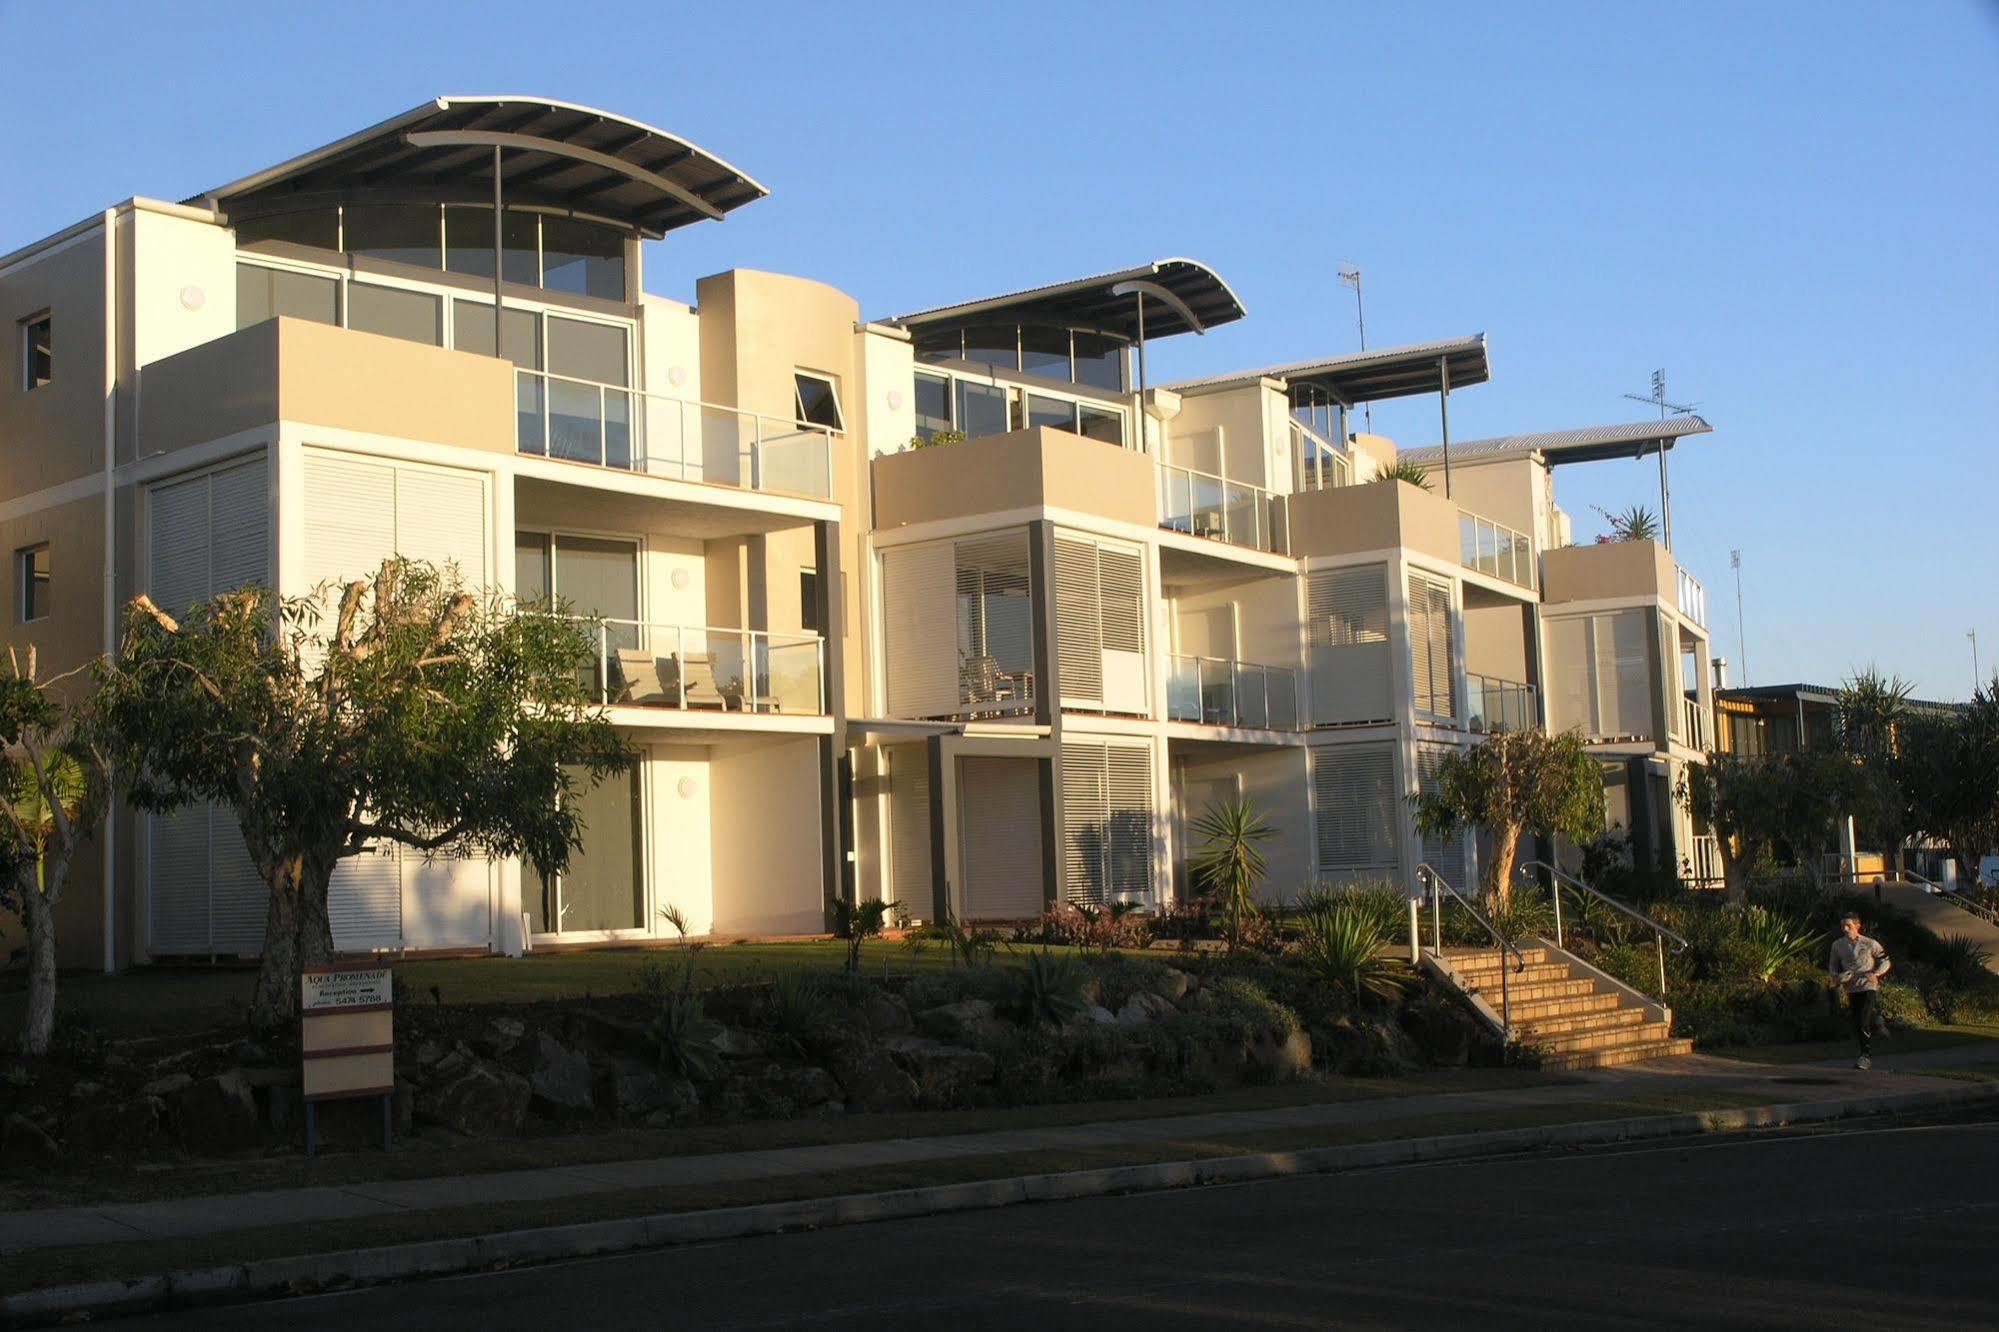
1877, 1228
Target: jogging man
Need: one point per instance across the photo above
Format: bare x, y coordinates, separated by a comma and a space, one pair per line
1857, 964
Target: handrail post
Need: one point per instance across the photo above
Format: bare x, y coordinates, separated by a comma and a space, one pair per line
1436, 917
1505, 996
680, 667
1415, 932
603, 428
603, 664
1555, 888
1659, 944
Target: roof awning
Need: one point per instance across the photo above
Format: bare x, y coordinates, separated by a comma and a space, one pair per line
1181, 296
1636, 439
1370, 376
554, 155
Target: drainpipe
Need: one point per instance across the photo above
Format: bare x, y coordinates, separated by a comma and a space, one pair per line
1444, 412
110, 592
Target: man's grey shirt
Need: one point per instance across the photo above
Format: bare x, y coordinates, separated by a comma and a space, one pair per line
1854, 961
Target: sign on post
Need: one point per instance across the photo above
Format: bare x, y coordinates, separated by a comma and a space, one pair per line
348, 1039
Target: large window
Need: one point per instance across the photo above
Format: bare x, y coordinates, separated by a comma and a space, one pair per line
468, 243
979, 408
38, 364
265, 293
817, 400
400, 233
1070, 356
32, 573
395, 312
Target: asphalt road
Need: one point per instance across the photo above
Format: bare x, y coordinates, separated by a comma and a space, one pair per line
1884, 1228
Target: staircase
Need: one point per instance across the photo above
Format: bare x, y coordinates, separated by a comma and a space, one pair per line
1572, 1013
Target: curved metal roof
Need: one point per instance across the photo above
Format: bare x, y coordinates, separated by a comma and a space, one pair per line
1585, 444
1096, 302
555, 154
1369, 376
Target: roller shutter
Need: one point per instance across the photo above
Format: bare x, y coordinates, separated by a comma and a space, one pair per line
1356, 811
1108, 819
1432, 668
1352, 680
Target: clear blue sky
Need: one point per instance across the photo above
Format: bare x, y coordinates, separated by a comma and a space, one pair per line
1791, 207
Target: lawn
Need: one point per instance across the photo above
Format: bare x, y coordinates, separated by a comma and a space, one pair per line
1979, 1041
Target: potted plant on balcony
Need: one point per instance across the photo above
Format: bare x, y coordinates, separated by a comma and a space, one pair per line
1402, 470
1636, 523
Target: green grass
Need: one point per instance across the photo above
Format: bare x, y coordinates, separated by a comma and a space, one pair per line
1977, 1038
53, 1267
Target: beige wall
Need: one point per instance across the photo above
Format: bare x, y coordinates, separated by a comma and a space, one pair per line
766, 857
73, 630
1496, 638
1243, 414
54, 433
1503, 491
1371, 452
1348, 519
1275, 782
1021, 470
1610, 570
1264, 613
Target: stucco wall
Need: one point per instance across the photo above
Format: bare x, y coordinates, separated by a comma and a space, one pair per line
767, 864
54, 433
1346, 520
1023, 469
1610, 570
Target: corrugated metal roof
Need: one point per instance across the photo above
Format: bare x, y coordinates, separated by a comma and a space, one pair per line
1088, 302
1369, 376
1585, 444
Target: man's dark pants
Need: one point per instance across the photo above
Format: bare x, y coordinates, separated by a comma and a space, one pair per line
1860, 1005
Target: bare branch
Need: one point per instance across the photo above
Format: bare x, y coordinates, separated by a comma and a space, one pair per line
363, 829
144, 604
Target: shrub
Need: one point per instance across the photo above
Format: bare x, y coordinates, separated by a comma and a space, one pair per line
1343, 943
796, 1010
1961, 959
1771, 942
1246, 1004
1083, 925
1382, 902
683, 1038
857, 923
1520, 916
1051, 990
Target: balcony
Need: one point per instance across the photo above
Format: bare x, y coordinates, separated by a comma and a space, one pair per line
1036, 468
1494, 704
576, 420
1205, 505
1692, 597
688, 668
1210, 691
1695, 726
1493, 548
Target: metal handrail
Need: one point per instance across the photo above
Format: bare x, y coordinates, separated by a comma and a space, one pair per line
1956, 899
1438, 882
1660, 933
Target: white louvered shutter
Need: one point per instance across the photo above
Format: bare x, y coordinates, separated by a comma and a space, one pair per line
446, 900
1085, 813
350, 520
1623, 674
1571, 673
177, 882
1108, 818
1356, 811
919, 637
177, 545
1430, 646
1447, 854
909, 830
1128, 785
1001, 839
239, 903
441, 519
1079, 641
365, 901
1121, 617
240, 524
1352, 680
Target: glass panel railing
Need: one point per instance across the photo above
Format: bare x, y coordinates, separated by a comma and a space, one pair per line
1496, 704
1321, 466
1205, 505
1214, 691
578, 421
1495, 549
1693, 597
700, 668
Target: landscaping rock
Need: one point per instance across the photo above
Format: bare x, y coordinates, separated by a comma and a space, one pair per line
501, 1035
1367, 1049
648, 1096
735, 1043
1145, 1007
777, 1091
170, 1085
952, 1022
942, 1072
871, 1081
1275, 1059
127, 1126
888, 1014
86, 1091
1099, 1015
1174, 985
25, 1143
474, 1098
217, 1114
560, 1082
1444, 1033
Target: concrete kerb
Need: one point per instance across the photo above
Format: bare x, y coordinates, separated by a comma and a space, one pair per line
276, 1277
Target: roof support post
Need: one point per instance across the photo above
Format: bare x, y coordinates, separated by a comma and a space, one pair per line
1444, 413
499, 338
1665, 500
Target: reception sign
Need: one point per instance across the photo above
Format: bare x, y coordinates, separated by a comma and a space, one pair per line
347, 1037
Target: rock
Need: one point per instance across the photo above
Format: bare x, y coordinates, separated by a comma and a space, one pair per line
735, 1043
501, 1035
1144, 1008
126, 1126
887, 1014
170, 1085
1368, 1049
942, 1072
1100, 1015
85, 1091
871, 1080
951, 1022
249, 1053
1279, 1060
429, 1054
217, 1114
474, 1098
1442, 1032
25, 1143
560, 1082
656, 1099
587, 1026
778, 1091
1174, 985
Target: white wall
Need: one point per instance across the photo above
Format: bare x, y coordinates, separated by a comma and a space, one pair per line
765, 833
183, 284
671, 336
678, 857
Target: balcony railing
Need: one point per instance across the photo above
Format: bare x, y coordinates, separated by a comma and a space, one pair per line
1694, 724
1212, 691
1493, 548
580, 421
1321, 466
705, 669
1205, 505
1693, 597
1496, 704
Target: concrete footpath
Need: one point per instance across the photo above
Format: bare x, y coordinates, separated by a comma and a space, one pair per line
185, 1217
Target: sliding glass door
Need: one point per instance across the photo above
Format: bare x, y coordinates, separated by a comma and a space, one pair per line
604, 886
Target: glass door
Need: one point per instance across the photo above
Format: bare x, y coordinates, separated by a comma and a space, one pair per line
603, 888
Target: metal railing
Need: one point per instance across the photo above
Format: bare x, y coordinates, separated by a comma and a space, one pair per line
1217, 692
1493, 704
707, 669
1692, 597
1496, 549
1704, 861
577, 420
1205, 505
1952, 896
1439, 885
1694, 726
1557, 878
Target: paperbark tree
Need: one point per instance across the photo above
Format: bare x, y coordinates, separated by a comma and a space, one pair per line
424, 715
1515, 783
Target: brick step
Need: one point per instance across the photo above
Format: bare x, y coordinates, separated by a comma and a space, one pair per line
1462, 957
1573, 1041
1527, 994
1602, 1019
1533, 974
1594, 1002
1636, 1053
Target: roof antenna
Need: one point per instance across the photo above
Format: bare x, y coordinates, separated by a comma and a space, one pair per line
1657, 397
1350, 274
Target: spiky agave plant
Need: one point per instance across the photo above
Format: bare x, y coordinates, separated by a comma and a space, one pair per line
1772, 941
1636, 523
1343, 943
1403, 470
1230, 862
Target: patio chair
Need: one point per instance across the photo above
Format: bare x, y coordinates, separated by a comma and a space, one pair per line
696, 672
638, 679
978, 680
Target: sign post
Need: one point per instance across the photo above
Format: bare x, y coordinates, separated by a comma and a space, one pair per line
348, 1040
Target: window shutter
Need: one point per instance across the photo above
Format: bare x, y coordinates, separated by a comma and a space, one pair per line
1446, 853
1085, 812
365, 900
918, 635
1079, 643
240, 524
1107, 822
1624, 675
1001, 851
1128, 788
1430, 646
1351, 677
441, 518
1121, 574
177, 881
177, 546
1569, 669
909, 829
350, 520
1356, 815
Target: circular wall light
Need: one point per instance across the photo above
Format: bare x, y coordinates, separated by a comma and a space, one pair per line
687, 787
193, 297
895, 400
676, 376
680, 580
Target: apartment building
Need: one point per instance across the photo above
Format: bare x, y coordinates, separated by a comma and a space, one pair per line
955, 608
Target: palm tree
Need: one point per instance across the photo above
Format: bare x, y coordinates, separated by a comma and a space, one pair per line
1230, 865
1636, 523
1399, 470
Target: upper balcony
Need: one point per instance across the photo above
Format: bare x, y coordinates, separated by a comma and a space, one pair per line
1241, 695
1343, 520
1622, 570
1036, 468
1235, 512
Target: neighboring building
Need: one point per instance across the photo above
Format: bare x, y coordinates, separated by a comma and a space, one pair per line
971, 678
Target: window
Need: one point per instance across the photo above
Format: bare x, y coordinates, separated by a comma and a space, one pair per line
37, 351
395, 313
818, 400
1100, 362
265, 293
933, 404
982, 409
403, 233
33, 564
1045, 352
998, 346
1101, 423
808, 601
468, 244
582, 257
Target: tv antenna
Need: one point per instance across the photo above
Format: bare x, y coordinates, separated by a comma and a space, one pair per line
1657, 398
1350, 275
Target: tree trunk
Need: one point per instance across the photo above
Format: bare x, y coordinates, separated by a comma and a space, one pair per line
39, 1026
1734, 883
298, 933
1499, 872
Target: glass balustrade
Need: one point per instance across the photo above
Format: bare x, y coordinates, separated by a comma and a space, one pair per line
1205, 505
1493, 548
704, 668
1496, 704
1212, 691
